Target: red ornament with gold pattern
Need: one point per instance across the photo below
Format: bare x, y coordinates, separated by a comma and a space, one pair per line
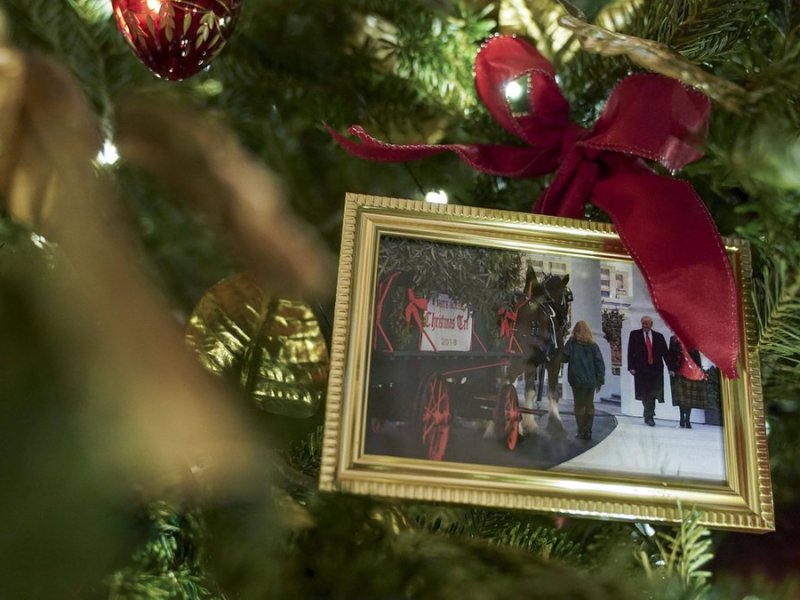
176, 38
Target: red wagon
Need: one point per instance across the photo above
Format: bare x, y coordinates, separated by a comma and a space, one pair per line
457, 370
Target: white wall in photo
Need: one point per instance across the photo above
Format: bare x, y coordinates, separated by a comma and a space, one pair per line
615, 293
584, 281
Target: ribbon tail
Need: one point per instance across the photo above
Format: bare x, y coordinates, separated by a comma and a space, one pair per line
371, 148
673, 240
495, 159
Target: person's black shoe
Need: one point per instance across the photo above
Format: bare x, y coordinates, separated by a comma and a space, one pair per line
688, 425
650, 422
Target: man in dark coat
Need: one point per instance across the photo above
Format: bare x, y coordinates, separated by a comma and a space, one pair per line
647, 353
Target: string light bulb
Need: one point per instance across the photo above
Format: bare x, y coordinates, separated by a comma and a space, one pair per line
108, 154
436, 197
513, 90
516, 93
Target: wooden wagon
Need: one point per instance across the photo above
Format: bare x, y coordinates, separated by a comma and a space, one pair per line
449, 364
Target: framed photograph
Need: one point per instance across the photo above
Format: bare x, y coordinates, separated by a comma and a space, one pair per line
514, 360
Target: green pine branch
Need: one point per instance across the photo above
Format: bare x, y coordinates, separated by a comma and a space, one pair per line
169, 563
701, 30
778, 297
526, 533
437, 50
680, 557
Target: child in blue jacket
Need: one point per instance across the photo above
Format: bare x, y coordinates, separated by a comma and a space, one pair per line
586, 375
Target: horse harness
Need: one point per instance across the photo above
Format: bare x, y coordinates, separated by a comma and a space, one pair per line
554, 309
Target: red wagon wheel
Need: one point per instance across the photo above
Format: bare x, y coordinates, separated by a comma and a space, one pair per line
435, 403
508, 416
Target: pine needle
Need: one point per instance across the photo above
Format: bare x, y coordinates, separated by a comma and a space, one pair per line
778, 301
680, 556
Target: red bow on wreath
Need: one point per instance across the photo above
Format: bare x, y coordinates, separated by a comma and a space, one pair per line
662, 222
413, 307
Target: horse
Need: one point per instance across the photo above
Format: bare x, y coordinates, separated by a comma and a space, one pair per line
542, 313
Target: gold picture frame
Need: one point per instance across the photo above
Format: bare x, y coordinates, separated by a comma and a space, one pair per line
389, 378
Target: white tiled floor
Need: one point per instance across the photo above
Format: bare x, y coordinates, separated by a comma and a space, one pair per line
665, 450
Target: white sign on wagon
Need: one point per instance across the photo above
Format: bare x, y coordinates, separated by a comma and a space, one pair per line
446, 326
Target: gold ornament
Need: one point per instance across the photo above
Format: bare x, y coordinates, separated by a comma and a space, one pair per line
617, 16
539, 22
273, 346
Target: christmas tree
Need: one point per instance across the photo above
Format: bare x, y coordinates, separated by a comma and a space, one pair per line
129, 471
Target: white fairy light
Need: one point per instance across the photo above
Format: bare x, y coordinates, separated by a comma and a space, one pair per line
38, 240
108, 155
646, 529
94, 11
513, 90
439, 197
209, 87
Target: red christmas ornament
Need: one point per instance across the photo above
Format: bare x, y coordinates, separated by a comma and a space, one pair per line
176, 38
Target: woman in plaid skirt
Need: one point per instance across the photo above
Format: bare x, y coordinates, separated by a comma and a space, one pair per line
686, 393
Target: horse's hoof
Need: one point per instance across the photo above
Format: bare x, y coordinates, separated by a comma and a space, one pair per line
528, 425
556, 431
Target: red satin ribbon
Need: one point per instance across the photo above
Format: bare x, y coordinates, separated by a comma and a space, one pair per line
662, 222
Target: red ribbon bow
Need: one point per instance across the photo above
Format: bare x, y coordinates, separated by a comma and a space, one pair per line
662, 222
508, 318
414, 306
